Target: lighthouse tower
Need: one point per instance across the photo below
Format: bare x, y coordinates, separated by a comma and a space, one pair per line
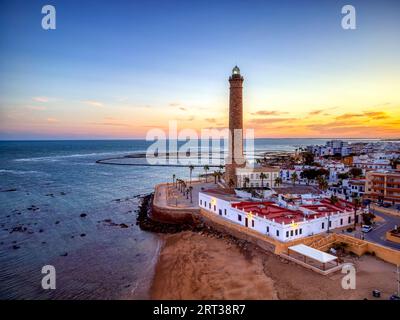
235, 157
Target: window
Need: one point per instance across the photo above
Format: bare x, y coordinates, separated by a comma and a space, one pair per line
267, 229
287, 234
225, 211
201, 202
291, 233
341, 222
252, 223
239, 217
323, 225
205, 204
349, 220
300, 231
296, 232
277, 233
209, 206
220, 212
330, 224
215, 207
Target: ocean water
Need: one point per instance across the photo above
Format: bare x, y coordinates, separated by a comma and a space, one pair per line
46, 187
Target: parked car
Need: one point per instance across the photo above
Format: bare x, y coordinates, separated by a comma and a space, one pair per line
394, 297
366, 228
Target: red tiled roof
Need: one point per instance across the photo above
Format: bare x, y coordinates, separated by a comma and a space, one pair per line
270, 210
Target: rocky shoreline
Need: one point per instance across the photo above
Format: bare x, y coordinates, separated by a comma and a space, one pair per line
212, 265
146, 223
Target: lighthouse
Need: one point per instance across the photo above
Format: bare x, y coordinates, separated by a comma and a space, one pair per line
235, 157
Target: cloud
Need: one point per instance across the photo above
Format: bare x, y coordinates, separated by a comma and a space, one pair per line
269, 120
375, 115
347, 116
110, 124
317, 112
174, 104
182, 108
37, 108
40, 99
93, 103
268, 113
52, 120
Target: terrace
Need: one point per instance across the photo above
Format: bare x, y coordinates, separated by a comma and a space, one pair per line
271, 211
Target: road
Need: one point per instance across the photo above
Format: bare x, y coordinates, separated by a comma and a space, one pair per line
377, 234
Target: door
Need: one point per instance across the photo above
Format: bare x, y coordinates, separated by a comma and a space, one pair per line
246, 222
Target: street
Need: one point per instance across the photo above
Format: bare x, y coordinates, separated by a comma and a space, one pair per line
377, 234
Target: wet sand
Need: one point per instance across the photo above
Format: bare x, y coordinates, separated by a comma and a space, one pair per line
207, 266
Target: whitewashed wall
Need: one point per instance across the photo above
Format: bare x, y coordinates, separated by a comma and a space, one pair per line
279, 231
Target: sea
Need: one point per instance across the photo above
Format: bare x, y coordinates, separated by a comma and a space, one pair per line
60, 208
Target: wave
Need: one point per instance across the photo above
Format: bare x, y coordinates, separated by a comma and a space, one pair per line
77, 155
19, 172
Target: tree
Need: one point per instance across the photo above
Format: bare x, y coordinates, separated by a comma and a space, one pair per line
322, 183
219, 175
294, 177
368, 218
215, 175
278, 181
395, 162
334, 200
356, 204
355, 172
206, 168
246, 181
307, 157
191, 194
343, 176
191, 168
262, 177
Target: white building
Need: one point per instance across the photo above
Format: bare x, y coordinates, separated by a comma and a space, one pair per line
254, 176
278, 222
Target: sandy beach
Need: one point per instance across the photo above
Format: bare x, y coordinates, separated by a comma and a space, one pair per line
208, 266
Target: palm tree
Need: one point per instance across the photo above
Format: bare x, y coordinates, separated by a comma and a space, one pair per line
322, 183
262, 177
191, 196
191, 168
294, 177
215, 175
183, 187
206, 168
356, 203
334, 200
219, 174
246, 181
278, 181
221, 167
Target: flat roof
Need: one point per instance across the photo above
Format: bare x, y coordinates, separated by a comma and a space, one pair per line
271, 210
297, 189
325, 206
221, 194
312, 253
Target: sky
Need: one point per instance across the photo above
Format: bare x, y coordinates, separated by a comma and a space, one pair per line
117, 69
